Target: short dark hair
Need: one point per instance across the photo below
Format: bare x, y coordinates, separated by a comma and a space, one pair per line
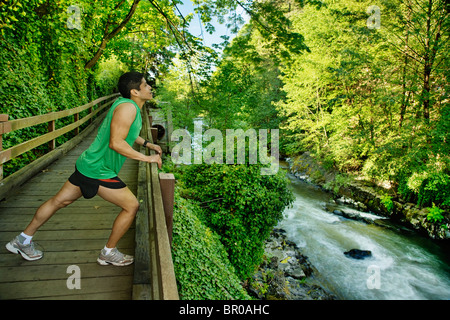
129, 81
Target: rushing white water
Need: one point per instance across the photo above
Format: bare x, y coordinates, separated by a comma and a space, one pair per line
402, 266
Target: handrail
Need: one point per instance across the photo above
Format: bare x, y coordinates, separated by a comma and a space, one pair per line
51, 116
154, 275
13, 125
19, 177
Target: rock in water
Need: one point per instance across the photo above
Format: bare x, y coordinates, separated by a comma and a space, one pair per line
358, 254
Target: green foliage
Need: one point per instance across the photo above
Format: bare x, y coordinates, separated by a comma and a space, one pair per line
268, 17
435, 214
425, 186
386, 200
241, 205
201, 264
340, 180
347, 103
176, 95
435, 188
245, 86
108, 74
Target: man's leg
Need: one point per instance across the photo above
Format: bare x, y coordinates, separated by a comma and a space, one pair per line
126, 200
68, 194
22, 244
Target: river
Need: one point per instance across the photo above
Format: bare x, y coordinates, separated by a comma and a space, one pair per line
403, 265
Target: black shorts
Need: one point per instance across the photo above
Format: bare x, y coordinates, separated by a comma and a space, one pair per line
89, 187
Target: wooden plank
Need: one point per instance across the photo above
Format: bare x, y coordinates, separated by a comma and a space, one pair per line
156, 264
59, 271
4, 127
51, 258
35, 201
6, 236
65, 245
142, 291
59, 219
59, 225
168, 281
142, 276
57, 288
110, 295
167, 183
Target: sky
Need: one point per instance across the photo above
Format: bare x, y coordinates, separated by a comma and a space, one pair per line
198, 29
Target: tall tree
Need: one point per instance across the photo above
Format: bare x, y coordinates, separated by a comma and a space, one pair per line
112, 26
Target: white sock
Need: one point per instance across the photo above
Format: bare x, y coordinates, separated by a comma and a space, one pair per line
107, 250
24, 238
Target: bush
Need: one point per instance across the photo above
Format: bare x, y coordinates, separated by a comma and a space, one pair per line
202, 268
435, 214
386, 200
436, 188
241, 205
426, 188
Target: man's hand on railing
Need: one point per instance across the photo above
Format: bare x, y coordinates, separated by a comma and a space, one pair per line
155, 147
155, 159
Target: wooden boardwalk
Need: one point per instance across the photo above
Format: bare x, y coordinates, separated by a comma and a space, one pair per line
73, 236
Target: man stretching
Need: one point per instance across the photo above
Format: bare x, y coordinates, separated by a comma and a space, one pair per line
96, 172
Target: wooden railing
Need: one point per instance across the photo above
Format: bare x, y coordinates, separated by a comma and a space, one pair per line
25, 173
50, 118
154, 276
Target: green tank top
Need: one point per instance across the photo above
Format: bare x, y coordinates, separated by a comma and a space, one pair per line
99, 161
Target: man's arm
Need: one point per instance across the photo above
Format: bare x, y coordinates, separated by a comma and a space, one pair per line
121, 122
140, 141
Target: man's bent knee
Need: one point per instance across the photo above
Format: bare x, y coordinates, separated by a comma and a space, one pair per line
61, 203
133, 207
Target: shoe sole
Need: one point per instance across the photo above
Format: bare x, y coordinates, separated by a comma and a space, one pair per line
117, 264
15, 250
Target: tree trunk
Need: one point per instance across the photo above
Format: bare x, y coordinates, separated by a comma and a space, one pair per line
405, 96
431, 48
427, 67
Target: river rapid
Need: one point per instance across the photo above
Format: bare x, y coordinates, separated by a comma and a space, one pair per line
403, 265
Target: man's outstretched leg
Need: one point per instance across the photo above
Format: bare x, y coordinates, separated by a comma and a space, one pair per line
22, 243
126, 200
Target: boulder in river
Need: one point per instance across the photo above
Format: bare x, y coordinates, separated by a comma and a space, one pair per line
358, 254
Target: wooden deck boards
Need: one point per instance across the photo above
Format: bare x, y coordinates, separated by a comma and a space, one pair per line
73, 236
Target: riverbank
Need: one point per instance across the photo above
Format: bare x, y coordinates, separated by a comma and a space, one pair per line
285, 274
369, 197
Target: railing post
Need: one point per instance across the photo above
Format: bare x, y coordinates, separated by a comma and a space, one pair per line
3, 118
76, 117
51, 128
91, 109
167, 183
154, 131
169, 130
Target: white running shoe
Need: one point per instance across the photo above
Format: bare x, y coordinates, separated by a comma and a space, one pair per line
27, 251
115, 257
